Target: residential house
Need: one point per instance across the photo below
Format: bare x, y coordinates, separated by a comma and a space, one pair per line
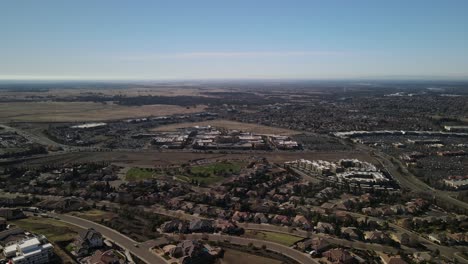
319, 244
175, 225
201, 225
371, 211
339, 256
87, 241
375, 236
350, 232
323, 227
3, 224
402, 238
281, 220
228, 227
241, 216
301, 222
316, 244
388, 259
103, 257
11, 236
458, 238
11, 213
260, 218
422, 257
190, 251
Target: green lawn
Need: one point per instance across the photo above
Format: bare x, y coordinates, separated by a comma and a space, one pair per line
139, 174
280, 238
211, 173
95, 215
199, 179
203, 174
218, 168
54, 230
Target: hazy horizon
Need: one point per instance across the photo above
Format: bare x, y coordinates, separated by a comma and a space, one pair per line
176, 40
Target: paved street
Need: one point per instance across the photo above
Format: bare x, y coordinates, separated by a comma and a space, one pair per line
287, 251
142, 252
448, 252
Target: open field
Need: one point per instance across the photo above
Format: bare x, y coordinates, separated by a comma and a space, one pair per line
227, 124
284, 239
54, 230
211, 173
139, 174
95, 215
130, 91
218, 168
84, 111
203, 181
203, 174
232, 256
57, 232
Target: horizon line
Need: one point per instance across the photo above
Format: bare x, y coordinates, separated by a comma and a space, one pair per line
29, 78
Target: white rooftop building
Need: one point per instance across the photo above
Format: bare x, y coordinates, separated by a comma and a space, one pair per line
29, 251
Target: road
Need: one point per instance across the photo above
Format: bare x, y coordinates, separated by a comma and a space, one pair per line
448, 252
408, 180
284, 250
143, 252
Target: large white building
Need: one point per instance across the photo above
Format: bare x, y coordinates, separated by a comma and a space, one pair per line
456, 183
29, 251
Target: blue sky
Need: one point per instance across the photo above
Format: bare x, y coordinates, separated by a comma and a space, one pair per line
198, 39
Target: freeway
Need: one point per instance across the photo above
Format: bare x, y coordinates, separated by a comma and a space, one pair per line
121, 240
408, 180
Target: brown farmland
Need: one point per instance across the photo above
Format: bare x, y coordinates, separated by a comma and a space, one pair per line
84, 111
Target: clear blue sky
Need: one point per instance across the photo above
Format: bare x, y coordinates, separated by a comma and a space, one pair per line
233, 39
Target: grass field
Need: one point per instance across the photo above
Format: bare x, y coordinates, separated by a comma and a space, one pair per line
84, 111
232, 256
218, 168
57, 232
280, 238
165, 90
54, 230
227, 124
212, 173
95, 215
139, 174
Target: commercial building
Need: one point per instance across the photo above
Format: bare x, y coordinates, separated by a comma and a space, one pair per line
346, 171
29, 251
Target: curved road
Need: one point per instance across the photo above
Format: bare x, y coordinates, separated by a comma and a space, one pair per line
121, 240
284, 250
143, 250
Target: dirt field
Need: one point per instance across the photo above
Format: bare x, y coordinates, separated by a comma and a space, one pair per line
154, 90
227, 124
232, 256
150, 159
84, 111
